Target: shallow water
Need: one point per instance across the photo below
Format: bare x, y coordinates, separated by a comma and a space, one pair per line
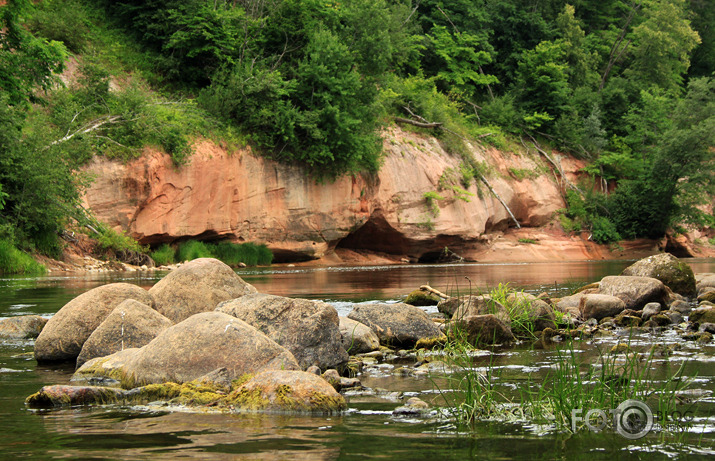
368, 429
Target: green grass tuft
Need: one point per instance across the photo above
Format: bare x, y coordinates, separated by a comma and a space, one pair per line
14, 261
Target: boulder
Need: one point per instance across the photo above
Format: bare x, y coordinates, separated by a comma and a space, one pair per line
65, 333
704, 281
482, 329
596, 306
675, 274
62, 395
422, 298
22, 327
481, 305
131, 324
636, 292
570, 304
708, 296
197, 286
309, 329
358, 338
529, 309
398, 325
702, 315
449, 306
283, 391
191, 349
649, 310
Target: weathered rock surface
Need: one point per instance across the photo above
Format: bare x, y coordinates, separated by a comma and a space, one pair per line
288, 391
65, 333
309, 329
358, 338
131, 324
600, 306
702, 315
191, 349
636, 292
197, 286
483, 329
675, 274
481, 305
398, 325
22, 327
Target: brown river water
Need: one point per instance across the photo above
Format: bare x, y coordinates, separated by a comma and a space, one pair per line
368, 429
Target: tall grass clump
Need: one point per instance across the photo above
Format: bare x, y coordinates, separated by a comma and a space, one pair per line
164, 255
247, 253
193, 249
14, 261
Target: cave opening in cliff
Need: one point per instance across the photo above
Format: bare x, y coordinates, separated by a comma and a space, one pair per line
379, 236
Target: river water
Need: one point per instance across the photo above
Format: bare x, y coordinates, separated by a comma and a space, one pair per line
368, 429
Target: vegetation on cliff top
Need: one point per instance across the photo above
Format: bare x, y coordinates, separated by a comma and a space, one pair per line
627, 85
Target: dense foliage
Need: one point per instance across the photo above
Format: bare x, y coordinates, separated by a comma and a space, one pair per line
626, 84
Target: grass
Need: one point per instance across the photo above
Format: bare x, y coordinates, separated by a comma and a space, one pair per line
431, 198
528, 240
164, 255
14, 261
232, 254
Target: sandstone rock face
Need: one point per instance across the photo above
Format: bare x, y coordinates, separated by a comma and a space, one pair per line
65, 333
245, 197
358, 338
281, 391
309, 329
636, 292
598, 306
131, 324
398, 324
191, 349
665, 267
197, 286
22, 327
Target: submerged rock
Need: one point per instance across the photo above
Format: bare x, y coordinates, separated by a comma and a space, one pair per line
309, 329
131, 324
357, 337
413, 407
422, 298
398, 325
675, 274
197, 286
65, 333
61, 395
191, 349
22, 327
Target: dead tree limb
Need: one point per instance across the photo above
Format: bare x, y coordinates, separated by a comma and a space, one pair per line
87, 128
494, 193
429, 289
418, 124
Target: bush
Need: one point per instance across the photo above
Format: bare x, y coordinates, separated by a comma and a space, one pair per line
109, 239
604, 231
163, 255
14, 261
193, 249
247, 253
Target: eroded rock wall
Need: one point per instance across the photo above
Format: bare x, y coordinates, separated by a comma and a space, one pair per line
244, 197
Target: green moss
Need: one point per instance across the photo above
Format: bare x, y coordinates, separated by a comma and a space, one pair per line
248, 399
431, 343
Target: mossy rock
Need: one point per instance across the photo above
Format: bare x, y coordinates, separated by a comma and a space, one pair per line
422, 298
702, 315
675, 274
708, 296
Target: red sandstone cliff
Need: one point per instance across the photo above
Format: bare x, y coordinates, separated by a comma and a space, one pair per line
248, 198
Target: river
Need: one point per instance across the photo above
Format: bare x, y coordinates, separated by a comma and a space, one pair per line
368, 429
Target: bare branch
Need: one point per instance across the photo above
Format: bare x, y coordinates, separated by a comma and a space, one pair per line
418, 124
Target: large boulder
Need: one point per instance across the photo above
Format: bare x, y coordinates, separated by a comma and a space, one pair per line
191, 349
705, 282
281, 391
486, 329
309, 329
358, 338
131, 324
665, 267
65, 333
22, 327
636, 292
597, 306
197, 286
398, 325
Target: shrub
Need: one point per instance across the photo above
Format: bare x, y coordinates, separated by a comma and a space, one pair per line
163, 255
14, 261
604, 231
431, 197
193, 249
109, 239
247, 253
